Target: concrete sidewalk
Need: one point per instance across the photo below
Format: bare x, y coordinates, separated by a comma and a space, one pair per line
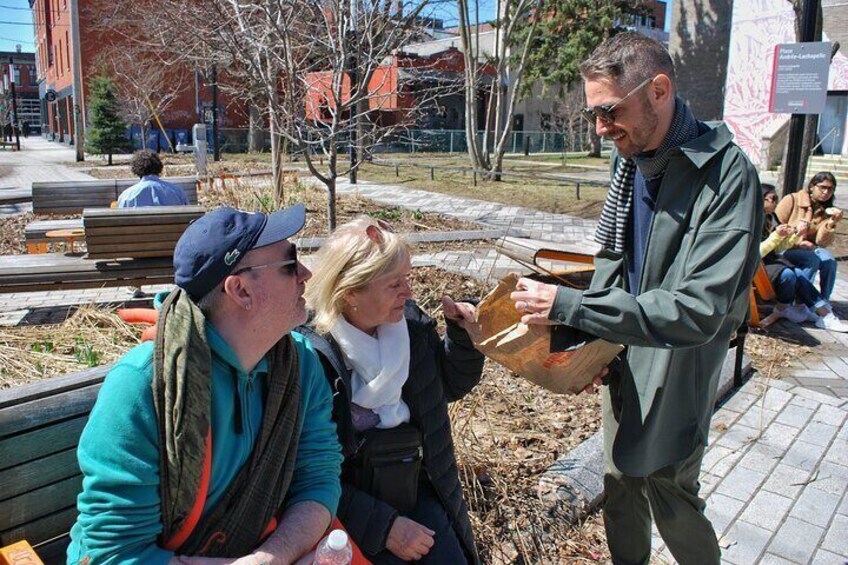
776, 472
38, 160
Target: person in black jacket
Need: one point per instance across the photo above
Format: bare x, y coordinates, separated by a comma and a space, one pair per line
391, 373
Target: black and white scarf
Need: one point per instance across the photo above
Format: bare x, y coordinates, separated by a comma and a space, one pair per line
612, 226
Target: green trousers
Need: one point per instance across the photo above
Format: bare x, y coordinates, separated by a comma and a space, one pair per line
669, 494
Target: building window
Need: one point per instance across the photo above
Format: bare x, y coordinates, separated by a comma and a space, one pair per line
67, 52
33, 75
61, 68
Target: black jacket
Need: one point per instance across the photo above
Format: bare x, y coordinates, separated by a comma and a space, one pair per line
440, 371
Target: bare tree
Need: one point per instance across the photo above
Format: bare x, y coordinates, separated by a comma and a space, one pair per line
146, 86
323, 72
498, 74
568, 117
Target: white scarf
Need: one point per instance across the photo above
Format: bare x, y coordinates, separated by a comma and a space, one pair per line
380, 368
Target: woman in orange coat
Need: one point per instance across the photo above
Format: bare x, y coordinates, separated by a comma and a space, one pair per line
813, 204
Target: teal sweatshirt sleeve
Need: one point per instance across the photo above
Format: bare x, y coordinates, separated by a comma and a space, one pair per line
118, 454
319, 458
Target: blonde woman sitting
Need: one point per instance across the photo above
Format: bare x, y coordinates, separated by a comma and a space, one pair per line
392, 376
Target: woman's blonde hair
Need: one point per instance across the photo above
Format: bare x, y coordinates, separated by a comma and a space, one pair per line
357, 253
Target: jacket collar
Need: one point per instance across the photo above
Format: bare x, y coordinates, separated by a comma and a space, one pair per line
701, 149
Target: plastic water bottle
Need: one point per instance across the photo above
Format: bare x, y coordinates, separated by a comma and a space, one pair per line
334, 550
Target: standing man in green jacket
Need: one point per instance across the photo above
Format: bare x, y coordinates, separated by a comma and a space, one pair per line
215, 444
679, 233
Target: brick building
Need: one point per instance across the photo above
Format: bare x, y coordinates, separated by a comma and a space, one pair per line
26, 88
55, 60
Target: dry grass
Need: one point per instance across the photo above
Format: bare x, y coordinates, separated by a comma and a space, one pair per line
542, 194
90, 337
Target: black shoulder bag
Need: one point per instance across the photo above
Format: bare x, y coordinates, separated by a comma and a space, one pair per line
387, 465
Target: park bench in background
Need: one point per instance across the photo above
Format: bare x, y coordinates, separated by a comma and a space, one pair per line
127, 247
70, 197
35, 233
40, 426
136, 232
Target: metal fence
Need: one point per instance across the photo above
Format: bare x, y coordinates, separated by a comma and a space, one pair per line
454, 141
235, 140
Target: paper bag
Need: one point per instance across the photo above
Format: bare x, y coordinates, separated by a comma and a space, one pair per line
526, 350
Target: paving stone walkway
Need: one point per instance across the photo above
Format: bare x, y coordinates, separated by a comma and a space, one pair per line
776, 472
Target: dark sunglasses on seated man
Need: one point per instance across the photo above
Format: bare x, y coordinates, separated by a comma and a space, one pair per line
287, 266
606, 112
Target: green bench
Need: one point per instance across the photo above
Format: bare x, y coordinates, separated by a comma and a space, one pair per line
40, 426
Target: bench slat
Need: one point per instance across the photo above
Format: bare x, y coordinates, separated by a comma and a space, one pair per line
142, 230
34, 475
164, 233
95, 212
29, 415
40, 443
52, 386
40, 503
54, 552
52, 527
75, 285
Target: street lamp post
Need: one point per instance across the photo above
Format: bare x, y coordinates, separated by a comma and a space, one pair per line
216, 155
793, 176
14, 104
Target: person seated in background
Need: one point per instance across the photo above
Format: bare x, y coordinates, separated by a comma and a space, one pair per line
814, 205
789, 282
216, 440
393, 377
150, 190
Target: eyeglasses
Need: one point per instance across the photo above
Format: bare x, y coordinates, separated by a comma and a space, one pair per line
290, 263
770, 198
826, 187
606, 112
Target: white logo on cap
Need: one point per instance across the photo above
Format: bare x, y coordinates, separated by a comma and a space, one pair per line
232, 257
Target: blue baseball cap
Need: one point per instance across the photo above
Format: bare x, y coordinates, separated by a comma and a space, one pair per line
213, 245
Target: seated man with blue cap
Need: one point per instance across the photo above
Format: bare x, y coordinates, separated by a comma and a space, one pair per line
215, 442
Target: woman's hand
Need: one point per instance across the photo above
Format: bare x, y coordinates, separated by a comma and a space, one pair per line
408, 539
462, 313
784, 230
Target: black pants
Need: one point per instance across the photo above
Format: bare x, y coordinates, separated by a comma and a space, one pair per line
429, 511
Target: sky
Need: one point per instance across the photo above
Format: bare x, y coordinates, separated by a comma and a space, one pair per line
16, 22
13, 13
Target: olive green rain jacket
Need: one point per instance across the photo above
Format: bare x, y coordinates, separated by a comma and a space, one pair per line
701, 254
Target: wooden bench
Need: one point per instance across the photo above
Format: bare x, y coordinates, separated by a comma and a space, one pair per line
35, 233
112, 233
70, 197
40, 426
762, 286
127, 247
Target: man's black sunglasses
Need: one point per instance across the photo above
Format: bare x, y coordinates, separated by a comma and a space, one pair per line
290, 264
606, 112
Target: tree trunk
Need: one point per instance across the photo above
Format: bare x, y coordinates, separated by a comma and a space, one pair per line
595, 151
255, 141
331, 204
276, 158
110, 159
